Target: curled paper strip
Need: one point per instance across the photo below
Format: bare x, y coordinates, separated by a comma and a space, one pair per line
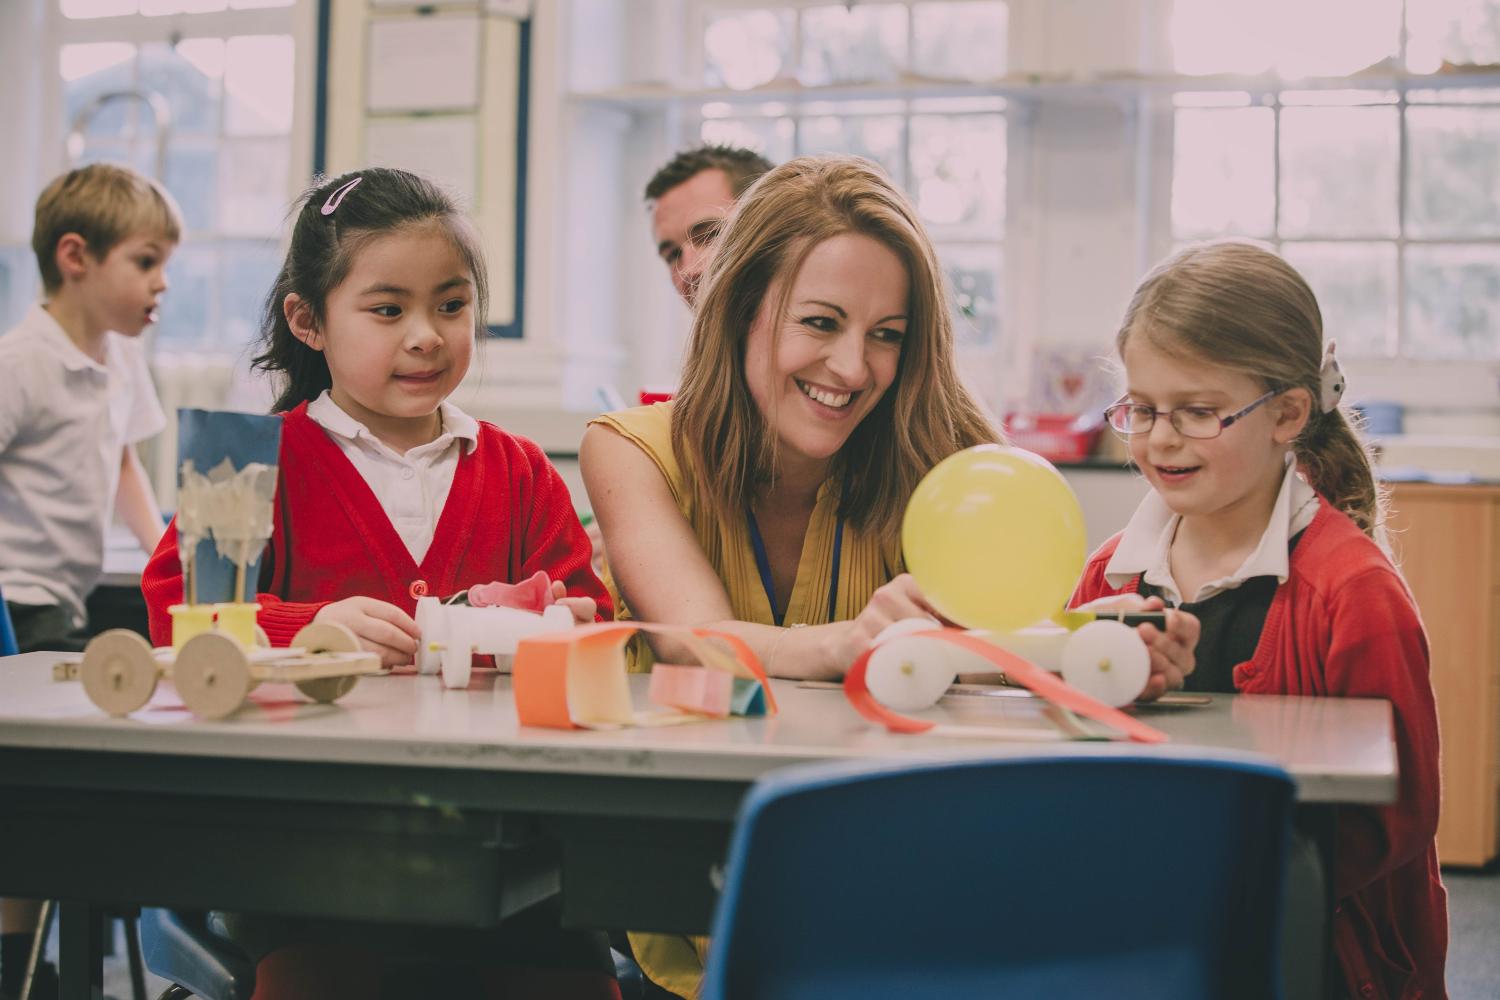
931, 668
578, 680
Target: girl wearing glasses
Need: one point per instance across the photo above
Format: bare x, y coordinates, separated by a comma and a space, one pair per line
1261, 522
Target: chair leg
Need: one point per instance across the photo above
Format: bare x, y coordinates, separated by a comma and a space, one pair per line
133, 952
175, 992
38, 947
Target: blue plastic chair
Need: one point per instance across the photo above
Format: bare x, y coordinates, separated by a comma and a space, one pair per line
181, 947
1067, 876
8, 646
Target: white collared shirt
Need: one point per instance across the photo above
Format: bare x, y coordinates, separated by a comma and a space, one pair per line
411, 488
65, 420
1146, 544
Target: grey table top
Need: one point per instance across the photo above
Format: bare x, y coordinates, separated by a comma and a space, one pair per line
1338, 750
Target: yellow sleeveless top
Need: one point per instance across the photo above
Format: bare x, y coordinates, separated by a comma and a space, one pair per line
674, 961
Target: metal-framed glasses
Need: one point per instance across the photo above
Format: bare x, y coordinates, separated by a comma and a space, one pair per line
1127, 419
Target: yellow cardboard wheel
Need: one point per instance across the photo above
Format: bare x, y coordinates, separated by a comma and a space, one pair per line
325, 637
212, 675
118, 671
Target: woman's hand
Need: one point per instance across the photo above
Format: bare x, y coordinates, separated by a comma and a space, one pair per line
584, 609
1172, 651
381, 628
901, 598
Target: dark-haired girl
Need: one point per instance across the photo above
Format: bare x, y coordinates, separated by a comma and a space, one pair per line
371, 325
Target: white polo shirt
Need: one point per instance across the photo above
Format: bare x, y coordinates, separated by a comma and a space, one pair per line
65, 420
1146, 544
411, 488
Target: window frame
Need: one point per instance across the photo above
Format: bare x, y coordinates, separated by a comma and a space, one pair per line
298, 20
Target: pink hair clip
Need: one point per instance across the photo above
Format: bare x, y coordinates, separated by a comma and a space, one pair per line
337, 198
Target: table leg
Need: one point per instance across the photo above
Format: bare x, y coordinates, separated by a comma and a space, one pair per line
1307, 925
80, 951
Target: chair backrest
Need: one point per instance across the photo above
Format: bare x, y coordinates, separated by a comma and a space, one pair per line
1075, 875
8, 645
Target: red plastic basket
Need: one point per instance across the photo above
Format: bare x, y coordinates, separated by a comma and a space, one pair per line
1057, 437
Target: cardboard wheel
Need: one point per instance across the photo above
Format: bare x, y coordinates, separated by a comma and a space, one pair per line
325, 637
328, 689
212, 675
118, 671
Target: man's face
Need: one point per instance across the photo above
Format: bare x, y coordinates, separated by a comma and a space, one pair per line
685, 221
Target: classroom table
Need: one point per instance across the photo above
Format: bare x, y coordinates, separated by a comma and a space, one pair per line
407, 802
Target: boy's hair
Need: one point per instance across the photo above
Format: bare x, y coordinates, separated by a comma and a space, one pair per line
742, 166
331, 227
1240, 307
925, 416
104, 203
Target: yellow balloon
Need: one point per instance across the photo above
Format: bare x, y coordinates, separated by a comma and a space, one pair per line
995, 538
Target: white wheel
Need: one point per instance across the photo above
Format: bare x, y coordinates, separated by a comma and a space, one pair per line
118, 671
1107, 661
431, 618
908, 674
212, 675
458, 654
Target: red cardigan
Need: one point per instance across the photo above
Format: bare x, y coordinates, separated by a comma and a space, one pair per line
508, 514
1344, 625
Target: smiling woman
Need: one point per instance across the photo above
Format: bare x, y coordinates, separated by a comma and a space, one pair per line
819, 388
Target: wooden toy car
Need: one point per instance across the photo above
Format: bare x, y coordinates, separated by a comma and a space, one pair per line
213, 672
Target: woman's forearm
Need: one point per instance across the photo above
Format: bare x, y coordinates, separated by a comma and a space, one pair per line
807, 652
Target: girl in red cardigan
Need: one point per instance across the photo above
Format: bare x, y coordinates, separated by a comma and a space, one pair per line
1261, 522
383, 482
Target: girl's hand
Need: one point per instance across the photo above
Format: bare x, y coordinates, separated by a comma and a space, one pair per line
1172, 656
584, 609
898, 599
380, 627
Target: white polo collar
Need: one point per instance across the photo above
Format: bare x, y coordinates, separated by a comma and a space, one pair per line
45, 327
1146, 544
457, 425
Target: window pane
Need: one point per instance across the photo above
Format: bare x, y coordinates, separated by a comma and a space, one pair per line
1454, 95
960, 41
1210, 36
1356, 288
1454, 166
1334, 37
248, 270
187, 308
92, 69
852, 44
771, 137
1222, 172
878, 138
258, 79
1452, 302
974, 276
1296, 39
251, 4
192, 177
1338, 171
1453, 31
958, 173
153, 8
97, 8
188, 76
253, 176
744, 49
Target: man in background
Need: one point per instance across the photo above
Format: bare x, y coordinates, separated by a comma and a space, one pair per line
689, 199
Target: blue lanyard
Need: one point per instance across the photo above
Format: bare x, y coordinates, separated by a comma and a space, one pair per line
763, 563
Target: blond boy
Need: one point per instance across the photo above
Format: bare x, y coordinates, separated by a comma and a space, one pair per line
77, 398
